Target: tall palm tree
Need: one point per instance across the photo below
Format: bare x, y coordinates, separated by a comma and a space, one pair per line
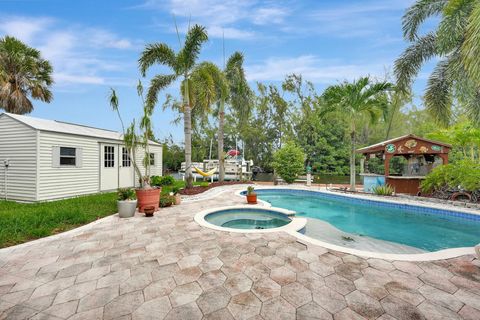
181, 64
453, 43
357, 99
23, 74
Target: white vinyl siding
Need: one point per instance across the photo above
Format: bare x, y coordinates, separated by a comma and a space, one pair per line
18, 144
61, 181
155, 170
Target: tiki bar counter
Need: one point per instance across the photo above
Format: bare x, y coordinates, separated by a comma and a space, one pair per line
417, 157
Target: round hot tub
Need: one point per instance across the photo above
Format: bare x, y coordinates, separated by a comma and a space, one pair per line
249, 219
244, 218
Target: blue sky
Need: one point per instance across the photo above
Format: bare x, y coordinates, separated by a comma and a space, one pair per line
94, 45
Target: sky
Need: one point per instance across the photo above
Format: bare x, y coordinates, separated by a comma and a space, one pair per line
95, 45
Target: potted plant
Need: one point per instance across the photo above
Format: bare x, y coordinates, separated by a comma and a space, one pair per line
147, 196
176, 194
251, 195
127, 202
166, 200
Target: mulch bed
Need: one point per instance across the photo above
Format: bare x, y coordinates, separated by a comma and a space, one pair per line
199, 189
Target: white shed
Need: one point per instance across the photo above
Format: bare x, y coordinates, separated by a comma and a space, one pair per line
47, 159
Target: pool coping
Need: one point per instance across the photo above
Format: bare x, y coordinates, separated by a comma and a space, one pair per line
295, 225
428, 256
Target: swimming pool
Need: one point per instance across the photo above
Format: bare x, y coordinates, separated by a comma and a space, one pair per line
423, 228
247, 218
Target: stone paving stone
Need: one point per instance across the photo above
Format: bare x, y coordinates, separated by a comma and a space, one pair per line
359, 262
74, 270
441, 298
307, 256
52, 287
113, 278
434, 312
266, 289
189, 261
435, 269
44, 316
312, 311
381, 265
237, 284
468, 298
213, 300
296, 294
98, 298
154, 309
159, 288
94, 314
265, 251
63, 310
187, 311
339, 284
273, 262
438, 282
222, 314
211, 279
405, 280
296, 265
165, 271
277, 308
349, 271
18, 312
40, 303
211, 264
310, 280
329, 299
283, 276
400, 309
244, 305
75, 292
257, 272
185, 294
92, 274
364, 305
466, 284
408, 267
134, 283
330, 259
123, 305
321, 268
469, 313
187, 275
347, 314
406, 294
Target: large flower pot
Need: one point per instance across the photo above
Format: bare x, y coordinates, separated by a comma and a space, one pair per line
252, 198
126, 208
147, 198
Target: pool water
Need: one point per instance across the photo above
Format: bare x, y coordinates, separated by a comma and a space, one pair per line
405, 226
247, 219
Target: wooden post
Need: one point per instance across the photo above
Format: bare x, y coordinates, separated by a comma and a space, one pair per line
387, 164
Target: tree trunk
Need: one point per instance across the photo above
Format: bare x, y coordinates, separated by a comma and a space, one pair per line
221, 157
352, 162
187, 127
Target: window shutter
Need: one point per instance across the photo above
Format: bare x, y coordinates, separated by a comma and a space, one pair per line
55, 157
79, 156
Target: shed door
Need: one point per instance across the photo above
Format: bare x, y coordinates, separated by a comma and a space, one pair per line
125, 168
108, 167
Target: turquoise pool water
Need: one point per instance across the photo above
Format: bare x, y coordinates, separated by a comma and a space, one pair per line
247, 219
411, 227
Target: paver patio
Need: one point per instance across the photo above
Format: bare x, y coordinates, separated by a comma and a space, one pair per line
170, 267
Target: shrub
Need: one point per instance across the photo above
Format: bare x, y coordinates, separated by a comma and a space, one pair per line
126, 194
288, 162
385, 190
158, 181
250, 190
463, 175
166, 201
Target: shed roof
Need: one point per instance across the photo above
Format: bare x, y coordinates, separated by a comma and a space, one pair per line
381, 145
65, 127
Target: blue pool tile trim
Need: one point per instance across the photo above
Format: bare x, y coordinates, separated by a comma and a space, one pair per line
410, 207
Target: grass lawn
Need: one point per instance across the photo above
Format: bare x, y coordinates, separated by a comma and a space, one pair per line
21, 222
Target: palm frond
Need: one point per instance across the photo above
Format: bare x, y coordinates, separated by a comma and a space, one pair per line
157, 53
439, 95
471, 45
451, 29
157, 84
411, 60
418, 13
187, 56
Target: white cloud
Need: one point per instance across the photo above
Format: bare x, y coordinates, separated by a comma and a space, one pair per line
79, 55
269, 15
312, 68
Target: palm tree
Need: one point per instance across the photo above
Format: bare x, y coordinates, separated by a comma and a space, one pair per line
23, 74
455, 43
181, 64
357, 99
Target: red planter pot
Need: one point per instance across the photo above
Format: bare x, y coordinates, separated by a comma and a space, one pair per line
148, 197
251, 198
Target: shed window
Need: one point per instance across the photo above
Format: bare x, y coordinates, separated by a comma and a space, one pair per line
152, 159
126, 161
109, 156
68, 156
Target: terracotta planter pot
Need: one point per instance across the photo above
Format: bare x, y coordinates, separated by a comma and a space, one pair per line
178, 199
252, 198
148, 197
149, 211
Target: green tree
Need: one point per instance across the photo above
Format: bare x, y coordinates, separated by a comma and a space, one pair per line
453, 43
181, 64
23, 74
289, 162
357, 99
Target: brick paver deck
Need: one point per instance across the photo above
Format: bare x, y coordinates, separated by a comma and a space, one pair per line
168, 267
